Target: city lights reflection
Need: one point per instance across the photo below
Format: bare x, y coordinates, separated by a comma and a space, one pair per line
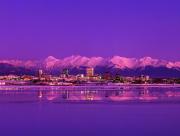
120, 94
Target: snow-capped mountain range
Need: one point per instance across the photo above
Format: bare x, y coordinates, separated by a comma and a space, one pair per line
76, 61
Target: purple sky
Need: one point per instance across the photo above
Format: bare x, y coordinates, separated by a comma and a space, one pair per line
132, 28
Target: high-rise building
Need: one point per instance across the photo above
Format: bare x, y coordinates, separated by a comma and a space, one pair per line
90, 72
65, 72
40, 73
107, 76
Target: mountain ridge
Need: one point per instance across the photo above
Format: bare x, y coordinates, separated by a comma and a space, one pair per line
77, 60
127, 66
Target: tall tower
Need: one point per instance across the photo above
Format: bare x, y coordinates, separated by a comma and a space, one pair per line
107, 76
89, 72
65, 72
40, 73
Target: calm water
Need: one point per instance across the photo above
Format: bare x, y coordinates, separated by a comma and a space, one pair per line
126, 111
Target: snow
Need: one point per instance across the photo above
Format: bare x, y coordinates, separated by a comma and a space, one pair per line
77, 61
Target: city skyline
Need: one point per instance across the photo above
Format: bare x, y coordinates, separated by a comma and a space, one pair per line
90, 67
37, 29
77, 64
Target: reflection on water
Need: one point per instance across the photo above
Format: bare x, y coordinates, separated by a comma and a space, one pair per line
92, 95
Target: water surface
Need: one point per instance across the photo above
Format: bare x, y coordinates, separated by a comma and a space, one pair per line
127, 111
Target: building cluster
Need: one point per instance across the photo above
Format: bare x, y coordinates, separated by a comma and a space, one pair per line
65, 79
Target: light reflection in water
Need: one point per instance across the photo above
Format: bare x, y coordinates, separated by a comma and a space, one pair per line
120, 94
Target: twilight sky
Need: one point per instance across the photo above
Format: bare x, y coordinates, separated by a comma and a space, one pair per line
35, 29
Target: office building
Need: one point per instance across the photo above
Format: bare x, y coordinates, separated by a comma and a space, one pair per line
90, 72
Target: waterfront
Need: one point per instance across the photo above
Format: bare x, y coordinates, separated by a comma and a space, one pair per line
91, 94
126, 110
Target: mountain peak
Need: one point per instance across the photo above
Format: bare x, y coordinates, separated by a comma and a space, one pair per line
50, 58
77, 61
50, 61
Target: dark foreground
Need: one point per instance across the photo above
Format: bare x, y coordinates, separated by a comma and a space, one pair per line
145, 112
